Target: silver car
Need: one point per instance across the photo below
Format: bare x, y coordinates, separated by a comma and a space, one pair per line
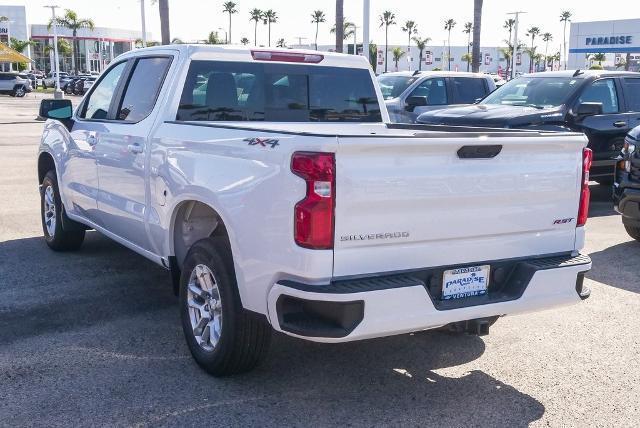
13, 84
409, 94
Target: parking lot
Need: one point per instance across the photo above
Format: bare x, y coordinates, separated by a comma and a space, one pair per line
94, 338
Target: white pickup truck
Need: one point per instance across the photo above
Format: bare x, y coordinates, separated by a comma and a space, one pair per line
272, 187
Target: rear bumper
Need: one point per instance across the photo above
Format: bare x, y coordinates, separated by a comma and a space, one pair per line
355, 309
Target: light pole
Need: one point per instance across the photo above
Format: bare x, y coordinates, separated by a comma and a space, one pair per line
515, 41
57, 93
144, 25
226, 39
355, 39
365, 28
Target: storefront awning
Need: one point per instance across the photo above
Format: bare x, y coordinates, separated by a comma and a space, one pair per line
9, 55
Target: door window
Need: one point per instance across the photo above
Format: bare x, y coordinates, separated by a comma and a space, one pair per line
434, 90
602, 91
97, 105
466, 90
632, 94
143, 88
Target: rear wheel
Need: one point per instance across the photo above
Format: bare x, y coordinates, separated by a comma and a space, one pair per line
222, 337
55, 235
19, 92
633, 232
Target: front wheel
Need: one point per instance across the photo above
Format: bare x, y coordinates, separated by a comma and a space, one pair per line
222, 337
19, 92
55, 235
633, 232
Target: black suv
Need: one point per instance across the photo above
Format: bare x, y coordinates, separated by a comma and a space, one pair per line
604, 105
626, 188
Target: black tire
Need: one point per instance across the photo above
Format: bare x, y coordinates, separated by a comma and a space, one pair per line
244, 339
633, 232
20, 92
61, 240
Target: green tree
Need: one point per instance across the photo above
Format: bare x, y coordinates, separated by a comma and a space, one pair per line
599, 57
546, 38
411, 29
448, 26
532, 32
565, 17
256, 16
477, 24
71, 21
213, 39
268, 18
176, 41
230, 8
348, 29
386, 19
316, 18
244, 41
468, 28
508, 25
421, 44
20, 46
467, 58
398, 53
373, 55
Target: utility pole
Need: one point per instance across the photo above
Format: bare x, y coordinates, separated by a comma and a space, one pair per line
144, 25
365, 28
57, 94
515, 41
300, 39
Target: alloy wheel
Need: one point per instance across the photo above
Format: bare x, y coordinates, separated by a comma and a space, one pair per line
205, 307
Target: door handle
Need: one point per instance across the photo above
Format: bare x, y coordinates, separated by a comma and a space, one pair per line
620, 124
92, 140
135, 148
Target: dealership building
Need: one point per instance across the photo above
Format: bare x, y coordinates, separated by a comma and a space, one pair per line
618, 40
97, 47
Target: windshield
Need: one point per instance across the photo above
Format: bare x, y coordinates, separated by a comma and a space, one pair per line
539, 92
394, 86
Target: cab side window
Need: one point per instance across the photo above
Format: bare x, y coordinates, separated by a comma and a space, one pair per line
602, 91
632, 94
466, 90
143, 88
97, 105
434, 90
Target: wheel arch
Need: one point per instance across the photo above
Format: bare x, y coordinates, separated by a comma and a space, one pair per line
46, 163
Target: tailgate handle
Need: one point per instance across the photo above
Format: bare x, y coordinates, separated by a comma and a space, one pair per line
479, 152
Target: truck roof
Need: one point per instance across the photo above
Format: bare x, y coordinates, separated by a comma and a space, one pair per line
582, 73
442, 73
244, 53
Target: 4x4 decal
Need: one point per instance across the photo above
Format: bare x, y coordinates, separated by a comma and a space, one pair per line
264, 142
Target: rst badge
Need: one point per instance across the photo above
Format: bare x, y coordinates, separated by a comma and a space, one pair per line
563, 221
264, 142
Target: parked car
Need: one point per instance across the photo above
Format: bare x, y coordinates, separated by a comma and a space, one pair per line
409, 94
14, 84
88, 82
626, 188
29, 85
293, 204
78, 85
50, 80
604, 105
33, 79
68, 87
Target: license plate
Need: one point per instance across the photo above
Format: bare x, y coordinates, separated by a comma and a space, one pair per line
465, 282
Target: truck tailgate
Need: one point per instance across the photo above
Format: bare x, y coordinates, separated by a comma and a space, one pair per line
413, 202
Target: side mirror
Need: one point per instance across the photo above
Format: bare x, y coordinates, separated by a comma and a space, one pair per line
413, 102
588, 109
56, 109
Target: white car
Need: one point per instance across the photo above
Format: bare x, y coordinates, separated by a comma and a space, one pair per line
272, 187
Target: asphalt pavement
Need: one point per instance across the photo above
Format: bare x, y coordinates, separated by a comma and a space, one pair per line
93, 338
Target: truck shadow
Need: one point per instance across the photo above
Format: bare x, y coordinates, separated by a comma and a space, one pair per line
109, 323
614, 266
601, 202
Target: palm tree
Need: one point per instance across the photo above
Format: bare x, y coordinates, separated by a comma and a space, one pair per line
71, 21
508, 25
230, 8
339, 25
421, 44
281, 43
20, 46
269, 17
448, 26
506, 53
411, 29
477, 24
532, 32
565, 17
468, 28
163, 8
386, 19
348, 29
546, 38
599, 57
244, 41
397, 54
256, 15
316, 18
64, 49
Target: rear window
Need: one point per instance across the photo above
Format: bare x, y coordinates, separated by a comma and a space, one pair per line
244, 91
467, 90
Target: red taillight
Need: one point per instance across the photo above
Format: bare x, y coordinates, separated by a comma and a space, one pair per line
313, 224
287, 56
583, 209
